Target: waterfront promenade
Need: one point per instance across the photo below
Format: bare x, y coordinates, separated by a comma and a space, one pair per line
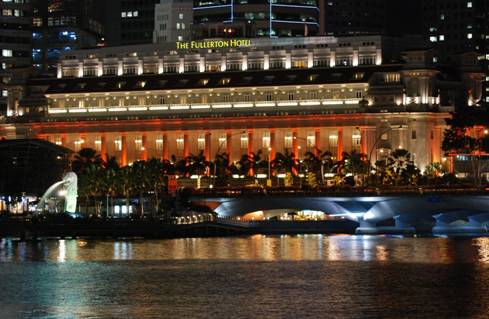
442, 211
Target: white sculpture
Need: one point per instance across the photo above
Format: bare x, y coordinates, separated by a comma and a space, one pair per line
70, 181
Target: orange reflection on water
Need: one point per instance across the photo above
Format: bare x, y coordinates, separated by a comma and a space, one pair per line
257, 247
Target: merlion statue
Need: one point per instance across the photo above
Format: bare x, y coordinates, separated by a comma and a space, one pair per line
70, 182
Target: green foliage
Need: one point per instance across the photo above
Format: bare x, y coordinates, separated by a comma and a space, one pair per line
400, 169
312, 180
285, 163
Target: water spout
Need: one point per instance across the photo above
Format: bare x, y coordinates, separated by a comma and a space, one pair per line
41, 206
67, 188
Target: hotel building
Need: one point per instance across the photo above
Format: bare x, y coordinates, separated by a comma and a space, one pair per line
243, 96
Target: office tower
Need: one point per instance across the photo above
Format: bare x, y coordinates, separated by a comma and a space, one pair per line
15, 37
63, 25
129, 21
254, 18
173, 21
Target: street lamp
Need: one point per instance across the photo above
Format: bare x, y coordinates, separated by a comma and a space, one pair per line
269, 180
318, 152
377, 141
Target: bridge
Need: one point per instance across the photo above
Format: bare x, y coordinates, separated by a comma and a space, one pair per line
439, 212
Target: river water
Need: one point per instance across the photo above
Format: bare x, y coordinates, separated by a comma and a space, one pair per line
310, 276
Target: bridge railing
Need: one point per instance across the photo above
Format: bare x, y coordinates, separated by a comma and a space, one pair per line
335, 191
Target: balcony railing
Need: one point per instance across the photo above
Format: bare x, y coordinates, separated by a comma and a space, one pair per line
205, 106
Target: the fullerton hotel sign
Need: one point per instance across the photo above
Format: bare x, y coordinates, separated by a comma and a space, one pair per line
214, 44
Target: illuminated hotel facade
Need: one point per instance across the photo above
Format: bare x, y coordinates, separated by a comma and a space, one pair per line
293, 94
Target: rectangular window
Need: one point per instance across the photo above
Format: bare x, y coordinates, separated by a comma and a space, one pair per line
244, 142
159, 143
413, 135
266, 140
180, 142
356, 139
333, 140
118, 144
299, 64
138, 144
288, 140
311, 140
7, 53
98, 144
223, 142
201, 143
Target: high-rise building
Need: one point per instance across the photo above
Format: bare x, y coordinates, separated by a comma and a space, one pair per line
15, 38
173, 21
451, 25
255, 18
457, 26
482, 44
387, 17
129, 21
63, 25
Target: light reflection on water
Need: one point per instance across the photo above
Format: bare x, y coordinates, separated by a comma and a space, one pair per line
258, 247
310, 276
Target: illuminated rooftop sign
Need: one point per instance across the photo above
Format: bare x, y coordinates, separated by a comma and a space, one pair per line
214, 44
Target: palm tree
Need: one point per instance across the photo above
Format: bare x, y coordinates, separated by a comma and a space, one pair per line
85, 157
125, 183
352, 163
243, 166
400, 168
109, 186
197, 165
180, 166
221, 167
285, 163
91, 185
156, 174
141, 179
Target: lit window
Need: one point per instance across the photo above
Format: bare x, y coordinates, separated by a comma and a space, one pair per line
333, 140
98, 145
469, 35
7, 53
201, 143
469, 4
180, 16
288, 140
266, 140
118, 144
441, 38
223, 141
244, 141
159, 143
311, 140
180, 143
138, 144
356, 138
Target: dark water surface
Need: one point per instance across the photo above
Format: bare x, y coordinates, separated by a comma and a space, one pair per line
310, 276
